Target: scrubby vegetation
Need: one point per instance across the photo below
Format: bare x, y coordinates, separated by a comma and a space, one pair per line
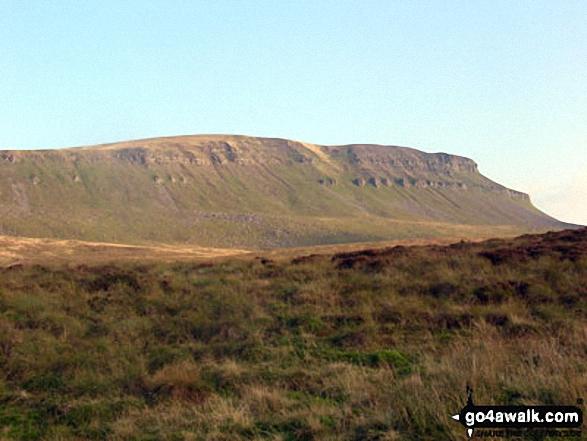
365, 345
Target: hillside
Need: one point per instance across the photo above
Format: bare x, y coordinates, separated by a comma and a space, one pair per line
236, 191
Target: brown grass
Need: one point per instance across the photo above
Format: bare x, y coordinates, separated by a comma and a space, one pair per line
377, 344
21, 250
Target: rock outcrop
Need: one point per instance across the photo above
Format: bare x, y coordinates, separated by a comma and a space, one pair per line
241, 191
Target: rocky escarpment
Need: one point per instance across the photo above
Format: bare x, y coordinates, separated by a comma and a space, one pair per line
226, 150
367, 165
408, 160
378, 166
411, 182
241, 191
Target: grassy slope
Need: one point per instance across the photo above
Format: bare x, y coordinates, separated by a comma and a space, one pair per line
366, 345
145, 192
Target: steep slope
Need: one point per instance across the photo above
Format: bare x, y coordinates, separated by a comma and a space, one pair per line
240, 191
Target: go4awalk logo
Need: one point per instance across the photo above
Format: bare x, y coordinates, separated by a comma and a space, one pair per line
517, 417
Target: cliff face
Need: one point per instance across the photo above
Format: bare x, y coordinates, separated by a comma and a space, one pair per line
242, 191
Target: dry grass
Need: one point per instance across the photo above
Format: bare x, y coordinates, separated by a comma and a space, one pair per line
371, 345
27, 251
21, 250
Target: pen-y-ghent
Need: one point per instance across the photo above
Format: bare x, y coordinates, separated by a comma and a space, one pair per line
232, 287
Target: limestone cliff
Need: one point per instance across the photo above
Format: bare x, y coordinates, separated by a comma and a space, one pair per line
241, 191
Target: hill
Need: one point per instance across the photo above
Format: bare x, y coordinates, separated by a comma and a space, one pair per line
243, 192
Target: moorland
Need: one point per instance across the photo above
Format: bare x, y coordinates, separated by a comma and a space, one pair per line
364, 344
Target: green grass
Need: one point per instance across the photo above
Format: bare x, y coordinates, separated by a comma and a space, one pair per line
376, 347
271, 200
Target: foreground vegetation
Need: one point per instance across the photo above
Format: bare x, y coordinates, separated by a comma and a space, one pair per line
363, 345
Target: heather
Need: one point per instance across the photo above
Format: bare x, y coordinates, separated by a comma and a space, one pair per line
372, 344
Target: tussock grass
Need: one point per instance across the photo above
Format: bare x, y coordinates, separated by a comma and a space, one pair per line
375, 345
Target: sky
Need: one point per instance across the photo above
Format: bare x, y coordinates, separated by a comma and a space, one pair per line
501, 82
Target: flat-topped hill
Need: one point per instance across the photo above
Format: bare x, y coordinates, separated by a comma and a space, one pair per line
238, 191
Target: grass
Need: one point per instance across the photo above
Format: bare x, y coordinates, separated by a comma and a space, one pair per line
266, 195
364, 345
19, 250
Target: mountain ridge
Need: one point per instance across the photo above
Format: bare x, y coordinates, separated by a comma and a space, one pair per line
234, 190
142, 150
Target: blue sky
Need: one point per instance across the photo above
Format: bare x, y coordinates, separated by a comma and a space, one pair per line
501, 82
